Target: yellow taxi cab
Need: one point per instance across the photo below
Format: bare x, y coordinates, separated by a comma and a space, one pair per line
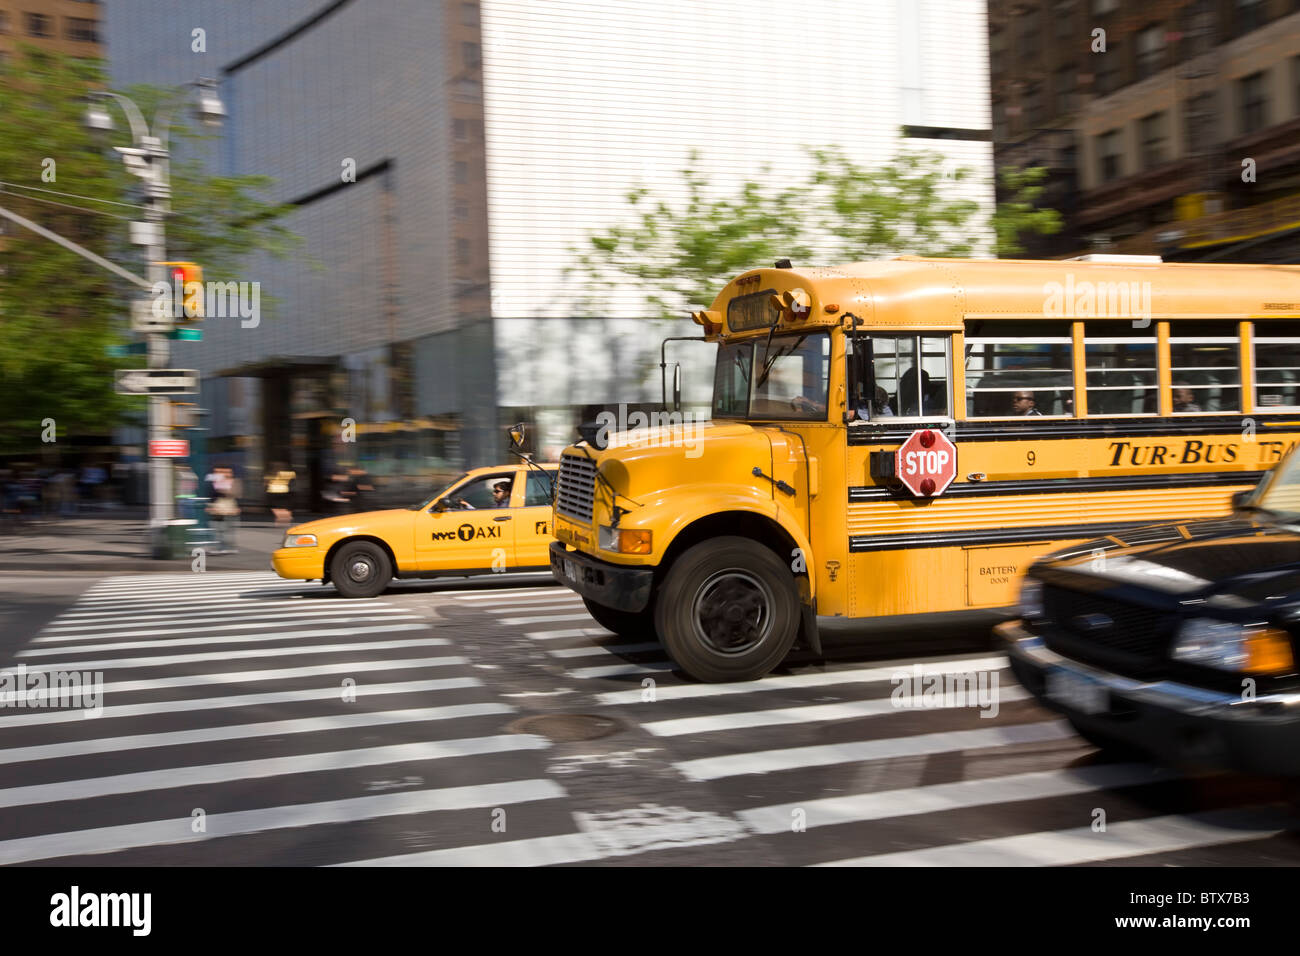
487, 520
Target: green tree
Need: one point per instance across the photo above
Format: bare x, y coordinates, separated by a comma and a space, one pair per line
59, 312
1019, 214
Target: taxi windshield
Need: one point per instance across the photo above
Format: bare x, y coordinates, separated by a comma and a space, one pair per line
438, 494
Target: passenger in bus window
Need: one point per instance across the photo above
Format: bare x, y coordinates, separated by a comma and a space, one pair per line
908, 396
1184, 400
1022, 403
878, 409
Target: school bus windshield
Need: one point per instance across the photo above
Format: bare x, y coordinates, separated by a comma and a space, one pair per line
786, 378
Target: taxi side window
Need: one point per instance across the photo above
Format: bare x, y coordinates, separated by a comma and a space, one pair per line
538, 490
481, 494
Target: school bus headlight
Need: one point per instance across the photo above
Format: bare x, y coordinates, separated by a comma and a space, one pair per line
299, 541
624, 541
1246, 649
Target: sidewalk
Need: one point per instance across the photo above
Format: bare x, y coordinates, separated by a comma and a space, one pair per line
117, 543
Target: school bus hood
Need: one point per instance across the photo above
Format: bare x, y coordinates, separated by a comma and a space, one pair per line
645, 461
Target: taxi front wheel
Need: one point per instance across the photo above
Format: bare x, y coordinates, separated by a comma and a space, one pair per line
728, 610
360, 570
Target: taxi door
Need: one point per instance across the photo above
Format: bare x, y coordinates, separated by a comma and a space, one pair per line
473, 533
533, 529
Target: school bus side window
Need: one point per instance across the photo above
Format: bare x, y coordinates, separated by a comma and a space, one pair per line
1121, 367
1277, 365
1019, 368
897, 360
1205, 366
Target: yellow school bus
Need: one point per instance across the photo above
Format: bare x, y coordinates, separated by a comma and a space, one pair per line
1081, 398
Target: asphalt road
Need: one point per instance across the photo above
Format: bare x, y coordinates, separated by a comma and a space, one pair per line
252, 721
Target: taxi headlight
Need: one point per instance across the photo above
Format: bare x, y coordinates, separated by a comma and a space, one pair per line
299, 541
1031, 599
624, 541
1246, 649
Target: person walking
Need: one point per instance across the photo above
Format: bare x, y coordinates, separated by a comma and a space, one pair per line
279, 484
224, 509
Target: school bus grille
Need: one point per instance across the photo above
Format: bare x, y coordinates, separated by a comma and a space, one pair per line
576, 488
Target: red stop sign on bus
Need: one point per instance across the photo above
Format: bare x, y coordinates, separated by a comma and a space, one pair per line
926, 463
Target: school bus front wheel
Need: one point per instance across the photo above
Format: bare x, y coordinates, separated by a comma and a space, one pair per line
728, 610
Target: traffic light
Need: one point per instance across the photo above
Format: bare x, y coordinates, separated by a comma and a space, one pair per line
187, 287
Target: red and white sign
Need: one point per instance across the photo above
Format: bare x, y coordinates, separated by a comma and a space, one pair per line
926, 463
169, 448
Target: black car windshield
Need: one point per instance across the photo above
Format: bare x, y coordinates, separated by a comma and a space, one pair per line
1280, 494
437, 494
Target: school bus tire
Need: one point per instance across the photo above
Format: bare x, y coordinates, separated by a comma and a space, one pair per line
360, 569
728, 610
623, 623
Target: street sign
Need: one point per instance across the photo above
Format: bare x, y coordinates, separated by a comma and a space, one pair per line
186, 335
926, 463
131, 348
169, 448
157, 381
144, 320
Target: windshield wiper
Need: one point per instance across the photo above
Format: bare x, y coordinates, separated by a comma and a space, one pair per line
769, 362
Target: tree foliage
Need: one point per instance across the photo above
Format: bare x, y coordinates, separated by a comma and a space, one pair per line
681, 254
58, 311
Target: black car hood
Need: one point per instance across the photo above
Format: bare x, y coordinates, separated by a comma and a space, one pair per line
1232, 562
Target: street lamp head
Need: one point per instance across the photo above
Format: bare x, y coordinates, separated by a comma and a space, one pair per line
98, 117
208, 108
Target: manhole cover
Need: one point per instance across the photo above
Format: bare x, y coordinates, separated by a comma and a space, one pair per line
561, 727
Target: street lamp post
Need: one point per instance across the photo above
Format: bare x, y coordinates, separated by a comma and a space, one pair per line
149, 158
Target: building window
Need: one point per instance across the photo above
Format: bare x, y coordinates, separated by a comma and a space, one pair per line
1107, 71
81, 29
4, 22
1277, 365
462, 173
1012, 367
469, 14
1198, 122
1104, 6
1063, 14
1109, 156
460, 211
1063, 88
1205, 365
460, 130
1252, 102
1153, 136
1248, 15
462, 252
1150, 50
1121, 365
1295, 81
39, 25
470, 55
1033, 99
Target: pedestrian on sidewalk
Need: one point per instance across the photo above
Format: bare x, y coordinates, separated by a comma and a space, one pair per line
279, 485
224, 509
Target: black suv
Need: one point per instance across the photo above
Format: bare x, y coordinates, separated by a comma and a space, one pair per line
1177, 640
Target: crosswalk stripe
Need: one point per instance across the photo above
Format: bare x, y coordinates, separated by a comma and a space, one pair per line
848, 710
567, 633
241, 822
244, 626
540, 851
794, 758
184, 705
218, 609
178, 597
245, 770
102, 645
782, 682
198, 579
1128, 838
497, 594
131, 622
250, 677
963, 794
543, 619
595, 650
166, 660
515, 606
621, 670
302, 725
